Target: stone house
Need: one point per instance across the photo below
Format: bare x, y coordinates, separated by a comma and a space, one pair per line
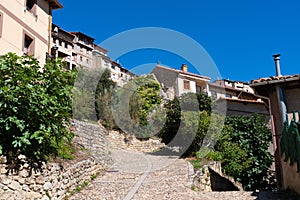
62, 46
25, 27
238, 97
83, 48
177, 82
283, 94
79, 49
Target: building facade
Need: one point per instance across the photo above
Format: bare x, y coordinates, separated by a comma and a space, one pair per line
79, 50
25, 27
62, 46
177, 82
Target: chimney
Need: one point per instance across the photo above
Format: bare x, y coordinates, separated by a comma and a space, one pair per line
277, 64
184, 67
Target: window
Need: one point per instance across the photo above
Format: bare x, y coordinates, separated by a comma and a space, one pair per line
228, 95
28, 45
1, 22
81, 58
30, 4
87, 61
186, 85
214, 95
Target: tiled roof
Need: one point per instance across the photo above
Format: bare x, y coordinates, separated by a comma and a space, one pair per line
275, 79
184, 73
55, 4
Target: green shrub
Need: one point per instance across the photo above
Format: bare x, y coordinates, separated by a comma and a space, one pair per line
35, 107
243, 150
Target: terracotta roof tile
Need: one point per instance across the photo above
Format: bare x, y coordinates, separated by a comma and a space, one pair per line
275, 78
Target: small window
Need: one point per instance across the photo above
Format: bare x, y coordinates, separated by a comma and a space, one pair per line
28, 45
186, 85
228, 95
1, 22
30, 4
87, 61
214, 95
81, 58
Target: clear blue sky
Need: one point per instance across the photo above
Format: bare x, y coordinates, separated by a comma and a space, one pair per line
239, 35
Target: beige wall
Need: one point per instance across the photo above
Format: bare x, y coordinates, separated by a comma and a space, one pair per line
291, 179
181, 89
17, 20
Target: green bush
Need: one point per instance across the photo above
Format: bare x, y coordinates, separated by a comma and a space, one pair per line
188, 119
243, 150
135, 106
35, 107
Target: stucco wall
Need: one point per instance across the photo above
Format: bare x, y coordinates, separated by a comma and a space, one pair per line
291, 179
181, 89
16, 20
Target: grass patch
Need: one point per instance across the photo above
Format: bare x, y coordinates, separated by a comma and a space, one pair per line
196, 164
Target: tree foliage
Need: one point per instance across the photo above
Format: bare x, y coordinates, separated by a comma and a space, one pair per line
35, 107
243, 150
145, 99
187, 117
103, 99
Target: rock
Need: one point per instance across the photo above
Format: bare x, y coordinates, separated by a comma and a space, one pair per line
3, 170
47, 186
6, 194
40, 180
33, 195
25, 188
21, 180
6, 180
26, 166
45, 197
29, 181
35, 188
23, 173
14, 185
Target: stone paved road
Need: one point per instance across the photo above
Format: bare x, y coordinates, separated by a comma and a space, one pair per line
139, 176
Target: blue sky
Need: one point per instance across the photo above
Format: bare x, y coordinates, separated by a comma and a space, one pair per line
239, 35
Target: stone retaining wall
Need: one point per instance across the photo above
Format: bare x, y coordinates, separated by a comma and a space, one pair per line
55, 180
210, 178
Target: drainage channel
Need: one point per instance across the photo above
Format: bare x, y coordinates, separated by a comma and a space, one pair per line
138, 184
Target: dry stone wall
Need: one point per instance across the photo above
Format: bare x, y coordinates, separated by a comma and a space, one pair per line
210, 178
56, 180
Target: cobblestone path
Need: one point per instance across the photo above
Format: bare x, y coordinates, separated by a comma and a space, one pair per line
139, 176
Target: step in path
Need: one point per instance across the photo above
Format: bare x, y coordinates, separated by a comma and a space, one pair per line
144, 176
140, 176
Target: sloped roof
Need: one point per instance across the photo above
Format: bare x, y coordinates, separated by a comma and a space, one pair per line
184, 73
55, 4
275, 79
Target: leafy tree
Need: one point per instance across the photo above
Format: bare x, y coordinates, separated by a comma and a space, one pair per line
84, 93
188, 116
136, 104
144, 99
35, 107
103, 100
